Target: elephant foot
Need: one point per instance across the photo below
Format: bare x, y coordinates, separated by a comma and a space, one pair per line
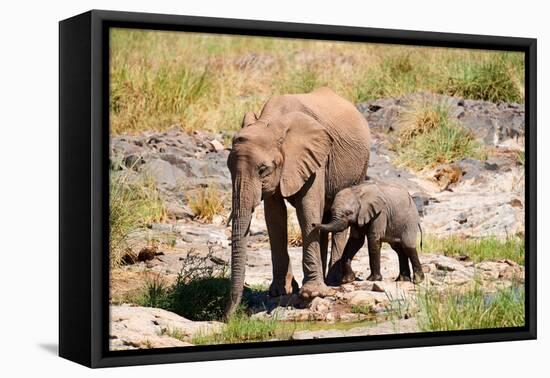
349, 275
403, 278
374, 277
418, 277
312, 289
284, 286
335, 274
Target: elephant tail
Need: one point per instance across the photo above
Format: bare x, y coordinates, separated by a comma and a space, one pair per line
420, 228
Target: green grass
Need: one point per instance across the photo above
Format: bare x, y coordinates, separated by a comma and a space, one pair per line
241, 329
430, 135
199, 293
473, 309
520, 158
489, 248
492, 81
365, 309
207, 82
202, 299
133, 205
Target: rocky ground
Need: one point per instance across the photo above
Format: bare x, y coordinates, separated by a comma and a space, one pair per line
469, 198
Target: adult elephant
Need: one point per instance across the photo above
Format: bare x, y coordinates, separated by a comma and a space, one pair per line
303, 148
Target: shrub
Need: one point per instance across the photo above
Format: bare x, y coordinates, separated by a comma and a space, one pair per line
200, 291
133, 205
201, 299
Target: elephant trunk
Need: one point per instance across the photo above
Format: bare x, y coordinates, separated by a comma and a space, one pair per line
335, 225
241, 216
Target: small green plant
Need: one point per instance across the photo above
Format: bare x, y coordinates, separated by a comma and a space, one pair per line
207, 203
430, 135
520, 158
242, 329
365, 309
488, 248
155, 293
175, 333
473, 309
133, 205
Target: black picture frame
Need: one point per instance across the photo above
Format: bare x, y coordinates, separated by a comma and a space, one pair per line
84, 190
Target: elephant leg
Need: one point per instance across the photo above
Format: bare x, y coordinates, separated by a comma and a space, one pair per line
335, 273
353, 245
404, 270
276, 220
309, 208
374, 244
323, 244
418, 274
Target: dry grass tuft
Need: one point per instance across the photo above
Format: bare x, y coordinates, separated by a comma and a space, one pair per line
294, 234
133, 205
206, 203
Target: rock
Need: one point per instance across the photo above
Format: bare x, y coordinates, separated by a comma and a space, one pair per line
399, 326
162, 172
145, 327
461, 218
163, 227
394, 290
447, 174
147, 253
133, 161
289, 314
129, 258
218, 220
177, 211
321, 305
512, 273
366, 298
494, 124
447, 264
216, 145
514, 202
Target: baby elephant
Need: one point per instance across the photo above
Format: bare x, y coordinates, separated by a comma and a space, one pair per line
384, 213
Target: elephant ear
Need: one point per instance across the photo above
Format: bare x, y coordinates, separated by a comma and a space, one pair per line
249, 119
305, 146
371, 203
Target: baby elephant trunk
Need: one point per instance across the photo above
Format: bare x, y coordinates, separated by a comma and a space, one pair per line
334, 226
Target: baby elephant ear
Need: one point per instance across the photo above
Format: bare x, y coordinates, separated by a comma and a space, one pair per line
305, 147
371, 203
249, 119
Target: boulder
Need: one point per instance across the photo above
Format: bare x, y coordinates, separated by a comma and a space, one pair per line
162, 172
134, 327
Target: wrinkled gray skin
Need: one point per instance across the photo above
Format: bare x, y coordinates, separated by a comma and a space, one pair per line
383, 213
298, 149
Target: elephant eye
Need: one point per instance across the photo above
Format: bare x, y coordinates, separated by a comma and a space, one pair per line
264, 170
